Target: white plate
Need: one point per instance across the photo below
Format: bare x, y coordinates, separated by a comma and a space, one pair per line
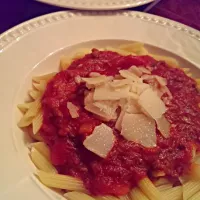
97, 4
34, 47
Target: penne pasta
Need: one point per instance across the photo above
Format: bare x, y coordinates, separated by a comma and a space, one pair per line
164, 187
41, 85
190, 188
77, 196
60, 181
195, 196
175, 193
149, 189
45, 77
42, 148
161, 181
27, 119
106, 198
65, 62
81, 53
41, 162
137, 194
37, 122
24, 107
125, 197
136, 48
35, 94
170, 61
119, 51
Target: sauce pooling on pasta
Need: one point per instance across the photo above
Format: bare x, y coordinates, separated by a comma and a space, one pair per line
127, 162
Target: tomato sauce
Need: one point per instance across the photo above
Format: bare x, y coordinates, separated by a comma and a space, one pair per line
127, 162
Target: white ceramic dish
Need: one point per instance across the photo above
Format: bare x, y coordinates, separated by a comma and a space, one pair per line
34, 47
97, 4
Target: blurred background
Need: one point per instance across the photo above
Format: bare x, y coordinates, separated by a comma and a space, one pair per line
13, 12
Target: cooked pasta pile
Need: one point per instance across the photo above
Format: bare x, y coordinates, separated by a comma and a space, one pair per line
74, 188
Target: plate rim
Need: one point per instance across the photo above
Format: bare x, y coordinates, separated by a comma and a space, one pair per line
17, 32
75, 4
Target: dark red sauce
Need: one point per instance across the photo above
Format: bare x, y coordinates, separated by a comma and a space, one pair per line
128, 162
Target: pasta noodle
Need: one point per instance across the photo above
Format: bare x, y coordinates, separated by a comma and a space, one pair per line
41, 86
137, 194
125, 197
174, 193
35, 94
65, 62
37, 122
107, 198
190, 188
77, 196
30, 114
136, 48
120, 51
170, 61
161, 181
45, 77
42, 148
41, 162
24, 107
60, 181
195, 196
149, 189
164, 187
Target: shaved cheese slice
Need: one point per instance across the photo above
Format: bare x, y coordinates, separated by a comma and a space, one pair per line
73, 110
141, 87
152, 104
101, 141
108, 107
135, 70
127, 74
105, 92
88, 98
132, 106
97, 80
140, 129
163, 126
101, 114
118, 124
120, 83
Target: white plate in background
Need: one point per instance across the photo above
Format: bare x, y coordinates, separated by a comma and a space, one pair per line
97, 4
35, 46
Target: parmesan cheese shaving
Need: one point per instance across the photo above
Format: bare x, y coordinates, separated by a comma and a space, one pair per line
152, 104
128, 75
139, 129
136, 71
163, 126
101, 114
73, 110
101, 141
105, 92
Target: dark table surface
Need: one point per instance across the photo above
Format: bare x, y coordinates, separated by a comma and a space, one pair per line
13, 12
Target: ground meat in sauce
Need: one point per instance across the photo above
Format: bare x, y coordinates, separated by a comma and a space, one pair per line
128, 162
